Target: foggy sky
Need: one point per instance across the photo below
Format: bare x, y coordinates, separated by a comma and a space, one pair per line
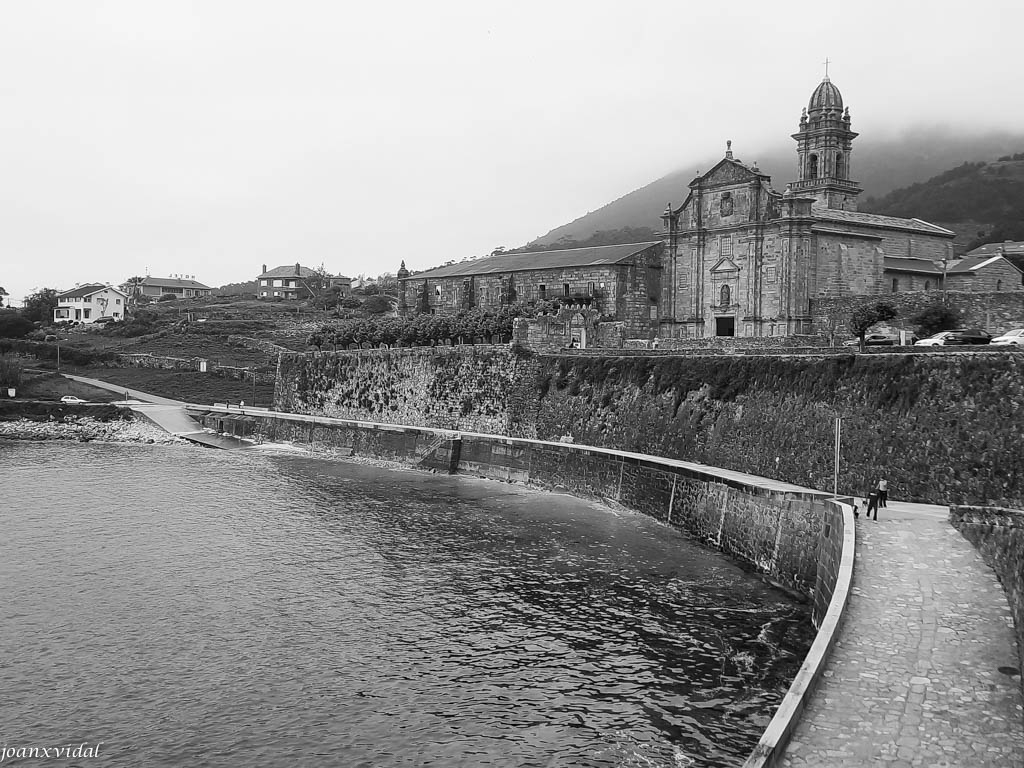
209, 138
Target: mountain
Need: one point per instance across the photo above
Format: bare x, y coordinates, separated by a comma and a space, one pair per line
981, 202
880, 165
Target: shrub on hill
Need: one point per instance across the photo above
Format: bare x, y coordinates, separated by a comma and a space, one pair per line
13, 325
421, 330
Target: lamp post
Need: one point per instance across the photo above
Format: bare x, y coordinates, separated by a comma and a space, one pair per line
253, 389
838, 444
945, 264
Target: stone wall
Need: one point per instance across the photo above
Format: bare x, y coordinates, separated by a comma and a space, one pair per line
998, 534
940, 427
996, 312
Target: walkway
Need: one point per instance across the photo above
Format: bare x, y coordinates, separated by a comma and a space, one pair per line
167, 414
914, 679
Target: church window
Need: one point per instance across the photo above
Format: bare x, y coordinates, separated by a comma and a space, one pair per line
437, 291
590, 289
812, 171
542, 291
999, 285
769, 274
725, 207
895, 284
684, 279
840, 170
565, 289
726, 245
726, 295
927, 285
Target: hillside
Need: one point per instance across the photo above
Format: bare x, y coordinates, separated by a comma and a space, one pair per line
881, 165
981, 202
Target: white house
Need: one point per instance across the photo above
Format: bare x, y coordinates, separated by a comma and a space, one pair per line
88, 303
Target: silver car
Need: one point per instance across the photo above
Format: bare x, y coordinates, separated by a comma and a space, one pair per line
1015, 337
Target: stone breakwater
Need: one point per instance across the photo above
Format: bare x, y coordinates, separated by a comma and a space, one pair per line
85, 428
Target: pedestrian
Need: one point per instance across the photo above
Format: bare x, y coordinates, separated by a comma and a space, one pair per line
883, 492
872, 505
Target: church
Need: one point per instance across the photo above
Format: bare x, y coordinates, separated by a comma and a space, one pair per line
742, 259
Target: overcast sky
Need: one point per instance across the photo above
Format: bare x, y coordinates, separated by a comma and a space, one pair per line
213, 137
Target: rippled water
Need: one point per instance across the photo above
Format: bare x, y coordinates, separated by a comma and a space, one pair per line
204, 608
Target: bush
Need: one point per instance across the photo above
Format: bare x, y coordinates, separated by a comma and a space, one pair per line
13, 325
167, 297
936, 317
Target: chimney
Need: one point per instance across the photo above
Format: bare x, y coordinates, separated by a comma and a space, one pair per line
297, 270
264, 270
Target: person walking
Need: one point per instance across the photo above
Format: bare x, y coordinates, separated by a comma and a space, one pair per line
872, 505
883, 492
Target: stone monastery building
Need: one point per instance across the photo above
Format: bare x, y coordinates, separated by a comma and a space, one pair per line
742, 259
737, 257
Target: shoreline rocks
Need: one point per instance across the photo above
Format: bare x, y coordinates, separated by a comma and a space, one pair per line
84, 429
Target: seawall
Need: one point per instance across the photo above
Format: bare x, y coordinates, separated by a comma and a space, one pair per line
940, 427
998, 534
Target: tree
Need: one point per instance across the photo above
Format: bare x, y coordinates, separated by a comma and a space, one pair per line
13, 324
864, 317
377, 305
39, 306
936, 317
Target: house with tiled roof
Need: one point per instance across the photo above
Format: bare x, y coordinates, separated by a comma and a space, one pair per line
181, 286
295, 281
619, 282
981, 273
89, 303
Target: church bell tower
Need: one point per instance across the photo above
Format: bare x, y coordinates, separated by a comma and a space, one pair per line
823, 146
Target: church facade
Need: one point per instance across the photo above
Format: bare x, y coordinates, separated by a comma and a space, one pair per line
742, 259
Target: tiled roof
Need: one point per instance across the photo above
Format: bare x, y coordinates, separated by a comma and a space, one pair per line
86, 290
173, 282
288, 271
991, 249
877, 220
900, 264
519, 262
974, 263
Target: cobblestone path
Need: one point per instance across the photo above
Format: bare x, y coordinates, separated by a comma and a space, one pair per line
914, 679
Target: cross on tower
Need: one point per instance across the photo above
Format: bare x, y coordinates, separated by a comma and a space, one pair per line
826, 66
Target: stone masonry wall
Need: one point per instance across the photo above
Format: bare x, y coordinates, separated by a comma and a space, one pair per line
996, 312
940, 427
998, 534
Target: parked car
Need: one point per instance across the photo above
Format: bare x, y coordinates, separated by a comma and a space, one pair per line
875, 340
970, 336
935, 340
102, 320
72, 400
1015, 337
954, 338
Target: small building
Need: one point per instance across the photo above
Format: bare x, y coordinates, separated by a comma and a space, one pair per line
89, 303
296, 281
621, 283
984, 273
3, 293
976, 274
182, 286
